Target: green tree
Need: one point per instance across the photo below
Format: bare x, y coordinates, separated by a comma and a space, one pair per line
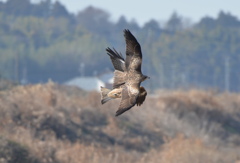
174, 23
18, 7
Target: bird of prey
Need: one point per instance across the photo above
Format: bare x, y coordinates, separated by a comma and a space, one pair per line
127, 76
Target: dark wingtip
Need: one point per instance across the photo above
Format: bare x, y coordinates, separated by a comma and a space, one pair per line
117, 114
108, 49
103, 101
129, 36
126, 31
114, 54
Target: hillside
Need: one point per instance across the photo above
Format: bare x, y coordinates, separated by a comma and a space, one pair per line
55, 123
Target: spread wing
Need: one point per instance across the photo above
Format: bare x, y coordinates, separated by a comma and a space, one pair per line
133, 52
117, 59
142, 96
119, 78
129, 97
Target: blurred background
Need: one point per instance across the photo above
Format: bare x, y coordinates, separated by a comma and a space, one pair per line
45, 39
53, 62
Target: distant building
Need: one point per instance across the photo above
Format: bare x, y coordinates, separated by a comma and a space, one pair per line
86, 83
107, 78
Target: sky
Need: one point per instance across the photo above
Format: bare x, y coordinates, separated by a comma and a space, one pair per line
159, 10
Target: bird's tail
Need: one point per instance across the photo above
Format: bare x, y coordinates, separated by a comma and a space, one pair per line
104, 93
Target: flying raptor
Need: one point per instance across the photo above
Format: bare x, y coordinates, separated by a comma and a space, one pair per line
127, 76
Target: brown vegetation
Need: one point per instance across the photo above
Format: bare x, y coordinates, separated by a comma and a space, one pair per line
54, 123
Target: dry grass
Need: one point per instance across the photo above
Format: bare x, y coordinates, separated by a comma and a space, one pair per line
189, 150
54, 123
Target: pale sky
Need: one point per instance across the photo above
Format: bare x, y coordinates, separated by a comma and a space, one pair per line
144, 10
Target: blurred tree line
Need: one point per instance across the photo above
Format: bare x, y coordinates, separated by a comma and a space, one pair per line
43, 40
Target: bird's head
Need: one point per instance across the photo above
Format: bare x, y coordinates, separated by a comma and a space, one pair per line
144, 77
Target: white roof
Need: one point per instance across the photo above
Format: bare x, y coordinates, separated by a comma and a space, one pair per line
107, 77
86, 83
